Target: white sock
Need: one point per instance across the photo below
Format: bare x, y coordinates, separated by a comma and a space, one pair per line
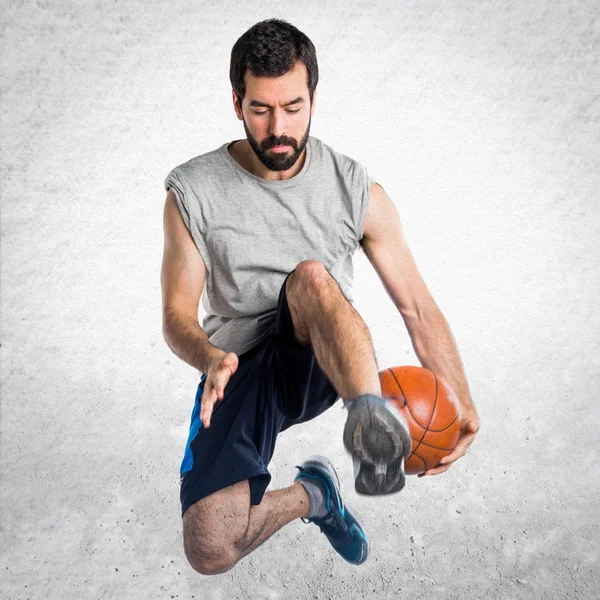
316, 492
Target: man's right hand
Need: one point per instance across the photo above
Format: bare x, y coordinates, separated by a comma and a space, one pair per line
220, 369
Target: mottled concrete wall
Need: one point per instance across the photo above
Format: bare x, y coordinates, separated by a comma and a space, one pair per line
480, 119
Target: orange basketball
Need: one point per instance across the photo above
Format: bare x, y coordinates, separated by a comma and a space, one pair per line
431, 409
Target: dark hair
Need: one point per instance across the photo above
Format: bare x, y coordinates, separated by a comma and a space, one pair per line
270, 49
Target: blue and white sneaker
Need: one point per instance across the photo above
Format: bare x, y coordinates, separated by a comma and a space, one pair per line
340, 525
377, 437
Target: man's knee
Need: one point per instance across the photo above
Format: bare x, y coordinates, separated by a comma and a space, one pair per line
306, 281
214, 529
309, 272
306, 288
210, 561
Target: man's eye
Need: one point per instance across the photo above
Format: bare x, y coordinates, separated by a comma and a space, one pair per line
264, 112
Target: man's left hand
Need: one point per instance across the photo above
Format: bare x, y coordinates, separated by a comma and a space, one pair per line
469, 426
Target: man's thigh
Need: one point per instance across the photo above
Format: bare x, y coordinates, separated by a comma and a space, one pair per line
303, 390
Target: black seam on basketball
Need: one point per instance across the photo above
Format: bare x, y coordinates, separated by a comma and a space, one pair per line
412, 439
431, 413
422, 460
399, 387
422, 443
406, 400
449, 425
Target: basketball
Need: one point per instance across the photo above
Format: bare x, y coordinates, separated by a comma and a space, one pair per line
431, 409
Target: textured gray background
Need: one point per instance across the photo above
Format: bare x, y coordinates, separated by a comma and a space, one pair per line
481, 120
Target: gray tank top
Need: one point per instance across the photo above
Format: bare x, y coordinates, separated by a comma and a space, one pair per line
252, 232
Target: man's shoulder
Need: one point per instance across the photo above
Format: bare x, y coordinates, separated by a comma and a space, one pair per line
200, 164
200, 170
327, 152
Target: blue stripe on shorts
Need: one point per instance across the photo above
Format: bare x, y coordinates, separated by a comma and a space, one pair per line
195, 426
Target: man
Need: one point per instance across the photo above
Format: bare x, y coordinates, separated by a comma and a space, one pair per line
270, 224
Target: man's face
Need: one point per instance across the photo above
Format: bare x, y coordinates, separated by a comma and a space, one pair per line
276, 112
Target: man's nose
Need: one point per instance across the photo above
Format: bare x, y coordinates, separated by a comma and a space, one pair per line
278, 123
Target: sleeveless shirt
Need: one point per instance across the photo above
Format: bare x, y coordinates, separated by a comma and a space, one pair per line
251, 232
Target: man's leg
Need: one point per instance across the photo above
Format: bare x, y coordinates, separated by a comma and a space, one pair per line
222, 528
340, 339
375, 434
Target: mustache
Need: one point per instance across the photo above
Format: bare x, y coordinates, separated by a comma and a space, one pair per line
272, 143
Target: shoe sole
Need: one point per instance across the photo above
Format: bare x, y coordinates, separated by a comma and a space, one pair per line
379, 445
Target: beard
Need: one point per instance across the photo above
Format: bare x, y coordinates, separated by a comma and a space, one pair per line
278, 161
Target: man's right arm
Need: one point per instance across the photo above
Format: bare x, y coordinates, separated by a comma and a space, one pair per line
182, 278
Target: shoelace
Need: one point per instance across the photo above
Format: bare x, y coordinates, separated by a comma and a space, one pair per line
333, 523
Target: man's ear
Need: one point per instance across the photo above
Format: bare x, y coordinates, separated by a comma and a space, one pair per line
312, 104
237, 106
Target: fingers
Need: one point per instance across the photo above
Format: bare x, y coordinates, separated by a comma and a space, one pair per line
461, 448
459, 451
214, 389
443, 464
207, 403
435, 471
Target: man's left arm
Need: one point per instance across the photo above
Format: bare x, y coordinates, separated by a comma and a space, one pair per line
386, 248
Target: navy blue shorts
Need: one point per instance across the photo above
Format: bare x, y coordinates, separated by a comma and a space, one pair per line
278, 383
